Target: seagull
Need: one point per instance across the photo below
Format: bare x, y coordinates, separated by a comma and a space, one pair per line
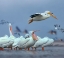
41, 16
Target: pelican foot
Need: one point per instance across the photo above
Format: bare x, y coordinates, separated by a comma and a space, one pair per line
20, 48
30, 21
11, 48
32, 48
25, 48
42, 48
35, 48
28, 49
1, 48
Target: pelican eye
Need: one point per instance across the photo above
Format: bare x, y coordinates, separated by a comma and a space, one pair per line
52, 13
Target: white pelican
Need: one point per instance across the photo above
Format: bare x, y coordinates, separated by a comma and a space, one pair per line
17, 41
5, 41
40, 42
11, 36
43, 42
41, 16
32, 40
21, 42
49, 42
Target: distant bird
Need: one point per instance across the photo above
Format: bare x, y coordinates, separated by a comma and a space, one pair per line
3, 22
61, 39
25, 31
53, 32
18, 29
41, 16
17, 33
62, 30
57, 26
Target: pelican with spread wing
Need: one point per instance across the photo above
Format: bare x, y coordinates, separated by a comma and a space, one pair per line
41, 16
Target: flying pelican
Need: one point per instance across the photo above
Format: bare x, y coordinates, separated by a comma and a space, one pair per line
41, 16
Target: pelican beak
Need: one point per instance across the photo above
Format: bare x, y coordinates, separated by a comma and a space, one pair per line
51, 14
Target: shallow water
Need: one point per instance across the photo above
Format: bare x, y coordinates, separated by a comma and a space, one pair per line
49, 52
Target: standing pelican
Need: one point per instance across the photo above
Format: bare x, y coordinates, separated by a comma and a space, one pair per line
32, 39
49, 42
40, 42
6, 41
41, 16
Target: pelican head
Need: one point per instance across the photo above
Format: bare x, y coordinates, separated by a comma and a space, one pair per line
30, 32
27, 36
50, 14
9, 24
33, 34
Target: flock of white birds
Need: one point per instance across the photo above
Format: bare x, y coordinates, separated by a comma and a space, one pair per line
31, 40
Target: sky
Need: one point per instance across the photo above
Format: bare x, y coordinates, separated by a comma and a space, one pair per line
18, 12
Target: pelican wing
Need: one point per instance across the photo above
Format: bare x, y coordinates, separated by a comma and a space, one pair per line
35, 15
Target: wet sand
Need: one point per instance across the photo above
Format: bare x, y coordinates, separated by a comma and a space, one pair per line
49, 52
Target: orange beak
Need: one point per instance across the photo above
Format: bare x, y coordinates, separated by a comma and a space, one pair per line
52, 15
34, 35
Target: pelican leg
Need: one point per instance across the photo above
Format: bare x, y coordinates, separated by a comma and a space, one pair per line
25, 48
11, 48
1, 48
35, 48
28, 49
16, 48
32, 48
30, 21
42, 48
20, 48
